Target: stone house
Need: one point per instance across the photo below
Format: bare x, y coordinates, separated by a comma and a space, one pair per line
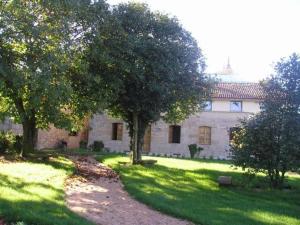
211, 129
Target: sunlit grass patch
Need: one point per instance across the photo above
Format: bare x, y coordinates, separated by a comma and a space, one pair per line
189, 189
33, 192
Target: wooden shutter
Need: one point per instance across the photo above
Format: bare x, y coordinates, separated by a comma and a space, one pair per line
117, 131
170, 134
205, 135
120, 131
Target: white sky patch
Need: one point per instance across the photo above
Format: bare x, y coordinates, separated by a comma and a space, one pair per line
253, 33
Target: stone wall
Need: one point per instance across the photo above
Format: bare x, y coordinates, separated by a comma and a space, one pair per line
50, 137
220, 123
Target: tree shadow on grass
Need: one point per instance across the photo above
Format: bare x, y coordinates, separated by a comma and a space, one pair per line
39, 212
196, 196
33, 199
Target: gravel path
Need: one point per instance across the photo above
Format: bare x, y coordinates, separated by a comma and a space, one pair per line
97, 194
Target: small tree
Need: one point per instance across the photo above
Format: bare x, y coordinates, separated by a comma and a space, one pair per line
152, 69
270, 141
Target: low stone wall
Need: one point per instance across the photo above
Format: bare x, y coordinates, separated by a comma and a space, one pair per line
49, 138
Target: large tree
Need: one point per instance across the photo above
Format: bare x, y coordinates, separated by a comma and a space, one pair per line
270, 141
152, 68
38, 43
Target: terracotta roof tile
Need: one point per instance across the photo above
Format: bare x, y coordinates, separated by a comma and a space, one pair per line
238, 91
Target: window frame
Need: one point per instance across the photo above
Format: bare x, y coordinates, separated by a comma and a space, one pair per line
117, 132
205, 109
241, 107
206, 139
172, 135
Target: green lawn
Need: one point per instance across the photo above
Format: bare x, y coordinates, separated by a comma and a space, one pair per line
188, 189
34, 193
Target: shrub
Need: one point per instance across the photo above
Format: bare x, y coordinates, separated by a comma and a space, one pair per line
83, 144
18, 143
269, 141
193, 148
61, 144
97, 146
7, 141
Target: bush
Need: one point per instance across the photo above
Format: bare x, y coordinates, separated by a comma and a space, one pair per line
61, 144
97, 146
7, 141
193, 148
83, 144
18, 143
269, 141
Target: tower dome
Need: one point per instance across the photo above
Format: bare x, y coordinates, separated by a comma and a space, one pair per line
227, 74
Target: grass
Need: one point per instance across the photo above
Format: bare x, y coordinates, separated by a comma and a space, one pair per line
188, 189
34, 193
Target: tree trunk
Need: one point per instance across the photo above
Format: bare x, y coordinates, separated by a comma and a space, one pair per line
276, 179
29, 136
137, 137
141, 134
134, 142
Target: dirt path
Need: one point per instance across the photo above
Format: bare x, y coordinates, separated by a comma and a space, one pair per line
97, 194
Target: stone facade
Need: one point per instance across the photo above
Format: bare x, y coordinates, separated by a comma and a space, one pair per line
49, 138
220, 120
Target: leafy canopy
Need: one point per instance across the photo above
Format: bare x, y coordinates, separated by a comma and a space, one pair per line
151, 65
270, 141
39, 43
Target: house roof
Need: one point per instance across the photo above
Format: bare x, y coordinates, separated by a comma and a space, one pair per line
238, 91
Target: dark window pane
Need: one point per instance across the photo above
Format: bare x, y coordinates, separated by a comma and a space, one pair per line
174, 134
207, 106
117, 131
236, 106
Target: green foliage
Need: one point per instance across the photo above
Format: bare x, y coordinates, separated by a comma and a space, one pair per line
147, 67
19, 223
83, 144
97, 146
193, 148
39, 43
188, 189
8, 141
61, 145
269, 142
18, 144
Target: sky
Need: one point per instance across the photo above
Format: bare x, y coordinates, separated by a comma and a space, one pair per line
254, 34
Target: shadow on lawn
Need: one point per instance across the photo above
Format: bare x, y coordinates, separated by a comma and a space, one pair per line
195, 195
35, 202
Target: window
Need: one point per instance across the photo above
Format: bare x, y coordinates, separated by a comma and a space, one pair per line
236, 106
117, 131
205, 135
174, 134
232, 132
207, 106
